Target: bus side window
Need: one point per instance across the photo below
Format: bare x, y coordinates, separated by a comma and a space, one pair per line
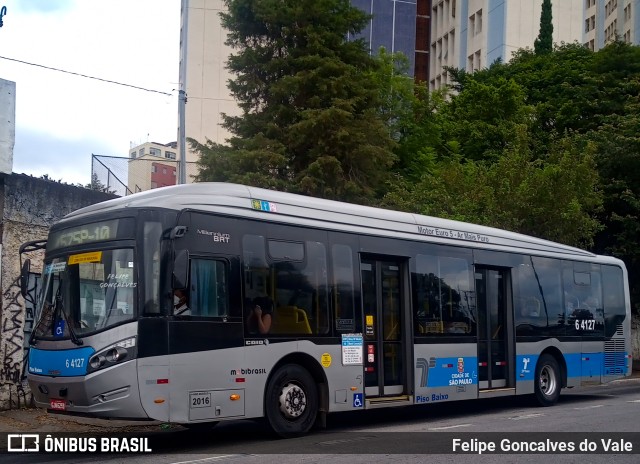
208, 295
442, 296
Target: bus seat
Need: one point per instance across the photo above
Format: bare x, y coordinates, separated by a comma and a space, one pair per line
290, 319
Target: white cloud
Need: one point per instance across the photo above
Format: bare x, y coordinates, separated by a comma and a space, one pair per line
132, 42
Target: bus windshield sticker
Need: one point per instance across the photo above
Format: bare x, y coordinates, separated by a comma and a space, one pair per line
262, 205
55, 267
92, 257
352, 349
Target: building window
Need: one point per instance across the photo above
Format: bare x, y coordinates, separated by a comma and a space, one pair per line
155, 151
141, 152
133, 154
169, 155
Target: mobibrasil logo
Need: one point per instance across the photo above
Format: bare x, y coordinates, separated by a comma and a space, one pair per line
248, 371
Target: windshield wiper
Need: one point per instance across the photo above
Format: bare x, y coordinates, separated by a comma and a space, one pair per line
58, 309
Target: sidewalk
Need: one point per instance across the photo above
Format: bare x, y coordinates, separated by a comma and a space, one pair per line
39, 420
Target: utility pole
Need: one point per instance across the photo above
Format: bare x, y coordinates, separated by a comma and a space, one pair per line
182, 95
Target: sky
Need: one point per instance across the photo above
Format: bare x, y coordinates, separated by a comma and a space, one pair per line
62, 119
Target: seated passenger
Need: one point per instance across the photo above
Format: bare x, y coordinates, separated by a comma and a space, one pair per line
259, 320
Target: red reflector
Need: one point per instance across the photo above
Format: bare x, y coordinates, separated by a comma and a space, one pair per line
482, 364
368, 369
501, 363
240, 379
162, 381
586, 359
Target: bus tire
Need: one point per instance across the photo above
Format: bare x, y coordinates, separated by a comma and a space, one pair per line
547, 380
291, 401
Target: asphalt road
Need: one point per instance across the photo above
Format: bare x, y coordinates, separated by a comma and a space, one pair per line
594, 425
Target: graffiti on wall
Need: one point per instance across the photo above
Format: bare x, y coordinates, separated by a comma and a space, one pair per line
16, 328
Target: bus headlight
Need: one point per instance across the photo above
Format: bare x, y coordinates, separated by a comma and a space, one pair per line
116, 354
97, 362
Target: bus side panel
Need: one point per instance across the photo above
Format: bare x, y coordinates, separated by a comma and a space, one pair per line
528, 353
445, 372
153, 379
345, 383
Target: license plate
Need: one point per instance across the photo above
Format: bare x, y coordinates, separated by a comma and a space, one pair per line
58, 405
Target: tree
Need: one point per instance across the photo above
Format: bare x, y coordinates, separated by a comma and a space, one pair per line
544, 43
97, 185
555, 199
310, 102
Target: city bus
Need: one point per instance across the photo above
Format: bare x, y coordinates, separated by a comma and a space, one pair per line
367, 308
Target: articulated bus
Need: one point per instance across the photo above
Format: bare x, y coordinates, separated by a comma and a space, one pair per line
369, 308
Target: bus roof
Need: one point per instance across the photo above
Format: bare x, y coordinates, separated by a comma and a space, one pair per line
269, 205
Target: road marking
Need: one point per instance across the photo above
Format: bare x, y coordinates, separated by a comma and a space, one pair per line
211, 459
590, 407
634, 401
450, 427
345, 440
526, 416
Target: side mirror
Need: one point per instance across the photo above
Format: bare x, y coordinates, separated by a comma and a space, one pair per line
24, 277
181, 269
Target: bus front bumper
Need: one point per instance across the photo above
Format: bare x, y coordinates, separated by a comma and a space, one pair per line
107, 393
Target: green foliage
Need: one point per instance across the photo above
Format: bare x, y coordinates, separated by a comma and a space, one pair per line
313, 114
544, 43
484, 117
553, 199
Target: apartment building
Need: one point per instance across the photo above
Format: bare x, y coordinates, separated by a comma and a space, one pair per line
472, 34
151, 165
606, 20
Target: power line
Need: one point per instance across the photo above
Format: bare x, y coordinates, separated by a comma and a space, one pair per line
84, 75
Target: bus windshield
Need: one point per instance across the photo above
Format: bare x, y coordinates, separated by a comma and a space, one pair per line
85, 293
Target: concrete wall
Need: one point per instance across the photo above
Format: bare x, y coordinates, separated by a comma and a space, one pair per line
28, 207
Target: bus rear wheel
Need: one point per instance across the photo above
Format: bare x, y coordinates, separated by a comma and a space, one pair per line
547, 381
291, 402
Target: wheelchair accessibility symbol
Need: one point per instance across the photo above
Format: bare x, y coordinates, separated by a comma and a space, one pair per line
59, 329
357, 400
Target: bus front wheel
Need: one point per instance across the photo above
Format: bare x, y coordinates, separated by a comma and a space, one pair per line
291, 403
547, 380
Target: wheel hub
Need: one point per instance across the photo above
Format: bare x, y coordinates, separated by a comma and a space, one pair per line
547, 381
293, 401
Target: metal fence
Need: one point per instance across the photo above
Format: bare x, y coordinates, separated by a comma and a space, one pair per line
124, 176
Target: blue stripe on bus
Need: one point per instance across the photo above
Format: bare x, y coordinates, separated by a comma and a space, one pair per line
578, 365
60, 363
450, 371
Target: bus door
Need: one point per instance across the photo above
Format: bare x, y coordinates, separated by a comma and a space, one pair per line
494, 331
384, 297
